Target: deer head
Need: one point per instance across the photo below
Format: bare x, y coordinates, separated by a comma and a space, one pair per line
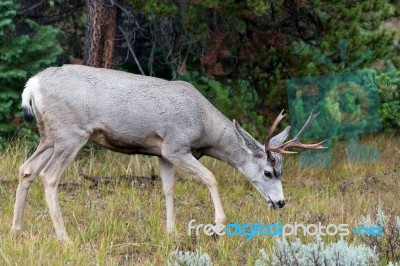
264, 169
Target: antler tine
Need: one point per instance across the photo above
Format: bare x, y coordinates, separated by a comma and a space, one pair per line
295, 142
308, 123
273, 127
298, 144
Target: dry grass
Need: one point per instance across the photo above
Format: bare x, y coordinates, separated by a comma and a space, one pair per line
123, 223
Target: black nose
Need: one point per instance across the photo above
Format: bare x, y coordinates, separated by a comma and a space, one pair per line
281, 203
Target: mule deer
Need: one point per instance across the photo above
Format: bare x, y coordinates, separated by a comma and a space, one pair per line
136, 114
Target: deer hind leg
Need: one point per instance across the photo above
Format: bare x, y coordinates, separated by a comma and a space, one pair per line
27, 173
167, 177
64, 153
188, 163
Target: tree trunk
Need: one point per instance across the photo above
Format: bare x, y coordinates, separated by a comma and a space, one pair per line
100, 34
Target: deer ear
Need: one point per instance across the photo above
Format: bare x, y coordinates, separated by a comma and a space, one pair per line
251, 144
280, 138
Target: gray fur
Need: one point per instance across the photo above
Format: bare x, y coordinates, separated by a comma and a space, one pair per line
281, 137
136, 114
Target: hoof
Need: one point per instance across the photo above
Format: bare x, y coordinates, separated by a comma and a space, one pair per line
64, 239
171, 231
15, 232
218, 230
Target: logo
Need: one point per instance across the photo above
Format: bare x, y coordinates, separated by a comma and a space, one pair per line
249, 231
348, 105
368, 231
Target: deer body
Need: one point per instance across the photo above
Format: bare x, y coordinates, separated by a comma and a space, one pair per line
129, 113
135, 115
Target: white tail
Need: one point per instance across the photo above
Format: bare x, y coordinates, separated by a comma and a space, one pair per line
31, 86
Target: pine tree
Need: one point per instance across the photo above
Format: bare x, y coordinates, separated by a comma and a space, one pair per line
266, 43
21, 56
100, 34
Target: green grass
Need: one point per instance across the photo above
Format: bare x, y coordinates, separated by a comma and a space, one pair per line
123, 223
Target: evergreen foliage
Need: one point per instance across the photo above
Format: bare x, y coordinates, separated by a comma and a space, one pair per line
239, 53
389, 85
264, 43
233, 99
21, 57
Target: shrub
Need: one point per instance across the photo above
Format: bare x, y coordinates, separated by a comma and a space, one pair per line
317, 253
181, 258
388, 245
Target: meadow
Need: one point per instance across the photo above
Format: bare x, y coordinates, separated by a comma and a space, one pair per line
123, 222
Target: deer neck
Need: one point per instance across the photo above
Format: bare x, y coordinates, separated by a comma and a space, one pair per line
230, 148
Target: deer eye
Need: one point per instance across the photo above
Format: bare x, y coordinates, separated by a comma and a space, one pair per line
267, 174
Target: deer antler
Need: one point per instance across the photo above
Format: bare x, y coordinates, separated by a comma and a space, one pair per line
295, 142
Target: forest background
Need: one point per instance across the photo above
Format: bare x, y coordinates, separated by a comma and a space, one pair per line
239, 54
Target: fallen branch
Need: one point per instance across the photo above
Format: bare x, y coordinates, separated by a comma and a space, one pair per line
95, 179
128, 179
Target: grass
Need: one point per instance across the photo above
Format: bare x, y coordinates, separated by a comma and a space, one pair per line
123, 223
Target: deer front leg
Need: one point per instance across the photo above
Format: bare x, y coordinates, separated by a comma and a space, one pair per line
192, 166
167, 177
